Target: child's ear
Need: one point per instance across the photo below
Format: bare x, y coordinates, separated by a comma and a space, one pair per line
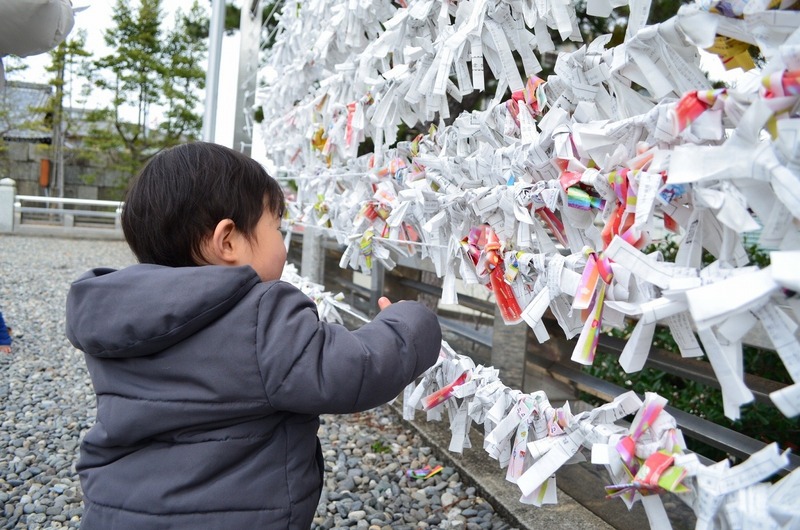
221, 246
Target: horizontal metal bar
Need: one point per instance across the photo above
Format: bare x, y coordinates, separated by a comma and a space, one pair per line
62, 211
69, 200
359, 290
484, 339
465, 300
697, 428
692, 369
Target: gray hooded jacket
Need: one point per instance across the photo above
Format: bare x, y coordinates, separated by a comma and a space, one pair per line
209, 385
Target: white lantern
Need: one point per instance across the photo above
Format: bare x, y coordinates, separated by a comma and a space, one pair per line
31, 27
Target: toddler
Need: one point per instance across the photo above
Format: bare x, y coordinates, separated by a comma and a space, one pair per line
210, 373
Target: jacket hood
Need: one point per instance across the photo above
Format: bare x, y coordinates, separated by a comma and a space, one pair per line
143, 309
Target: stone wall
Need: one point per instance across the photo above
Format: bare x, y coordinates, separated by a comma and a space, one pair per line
85, 181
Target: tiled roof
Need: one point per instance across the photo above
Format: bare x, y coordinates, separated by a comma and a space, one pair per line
20, 121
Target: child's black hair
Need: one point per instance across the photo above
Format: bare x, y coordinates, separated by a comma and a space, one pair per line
178, 198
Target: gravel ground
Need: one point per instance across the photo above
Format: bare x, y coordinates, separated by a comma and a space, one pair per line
47, 404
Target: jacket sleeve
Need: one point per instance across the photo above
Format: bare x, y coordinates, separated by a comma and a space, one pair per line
5, 338
314, 367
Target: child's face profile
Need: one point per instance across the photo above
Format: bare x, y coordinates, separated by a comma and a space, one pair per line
266, 252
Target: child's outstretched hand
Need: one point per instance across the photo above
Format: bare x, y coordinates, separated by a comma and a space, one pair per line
7, 349
384, 302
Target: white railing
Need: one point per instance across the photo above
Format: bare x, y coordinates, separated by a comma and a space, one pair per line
28, 212
68, 214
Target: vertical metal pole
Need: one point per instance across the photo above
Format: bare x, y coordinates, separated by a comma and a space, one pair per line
8, 194
312, 262
58, 124
215, 31
508, 351
377, 286
250, 31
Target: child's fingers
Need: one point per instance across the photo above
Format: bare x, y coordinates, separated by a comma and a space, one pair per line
384, 302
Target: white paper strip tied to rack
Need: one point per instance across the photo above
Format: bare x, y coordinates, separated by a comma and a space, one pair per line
573, 173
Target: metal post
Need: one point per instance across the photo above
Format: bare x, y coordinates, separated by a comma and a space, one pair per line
8, 193
216, 30
377, 287
312, 263
508, 351
58, 125
250, 31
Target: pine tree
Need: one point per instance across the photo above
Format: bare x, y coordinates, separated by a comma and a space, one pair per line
154, 77
70, 62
